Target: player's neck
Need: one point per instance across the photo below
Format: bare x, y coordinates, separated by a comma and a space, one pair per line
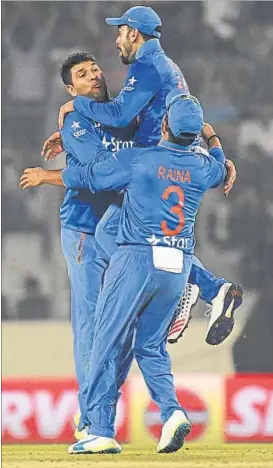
165, 142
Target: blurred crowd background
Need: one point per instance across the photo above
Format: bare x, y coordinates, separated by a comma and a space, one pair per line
225, 50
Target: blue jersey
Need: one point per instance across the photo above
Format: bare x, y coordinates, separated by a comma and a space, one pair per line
149, 79
82, 139
164, 187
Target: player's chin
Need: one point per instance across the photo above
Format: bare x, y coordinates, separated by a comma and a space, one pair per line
125, 60
98, 94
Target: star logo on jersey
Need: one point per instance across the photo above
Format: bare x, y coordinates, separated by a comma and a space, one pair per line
153, 240
130, 84
75, 125
97, 124
105, 142
132, 81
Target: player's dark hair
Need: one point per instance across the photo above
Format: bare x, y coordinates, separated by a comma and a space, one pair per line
147, 37
184, 139
74, 59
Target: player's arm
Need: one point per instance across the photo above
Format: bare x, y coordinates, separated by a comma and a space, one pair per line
35, 176
113, 173
88, 149
81, 141
216, 151
77, 134
80, 137
213, 142
52, 147
142, 83
216, 173
231, 176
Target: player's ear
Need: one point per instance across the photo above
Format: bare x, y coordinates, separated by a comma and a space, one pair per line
71, 90
164, 125
134, 35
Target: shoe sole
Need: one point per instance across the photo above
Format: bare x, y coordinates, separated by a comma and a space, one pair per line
223, 325
178, 438
175, 340
112, 451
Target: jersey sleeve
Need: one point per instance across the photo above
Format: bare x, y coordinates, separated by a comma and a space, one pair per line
80, 137
218, 154
142, 83
112, 173
216, 173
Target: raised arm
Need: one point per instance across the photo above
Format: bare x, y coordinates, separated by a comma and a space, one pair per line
215, 149
141, 85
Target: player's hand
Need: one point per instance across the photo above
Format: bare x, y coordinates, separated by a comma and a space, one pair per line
52, 147
65, 109
207, 131
32, 177
231, 176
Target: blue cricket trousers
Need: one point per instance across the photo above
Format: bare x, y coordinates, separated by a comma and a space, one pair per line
208, 283
85, 269
136, 306
106, 233
107, 230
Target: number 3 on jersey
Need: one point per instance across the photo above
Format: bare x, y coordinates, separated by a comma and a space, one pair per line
176, 209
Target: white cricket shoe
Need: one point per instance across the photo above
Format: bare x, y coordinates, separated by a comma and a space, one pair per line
174, 431
95, 444
221, 323
182, 314
79, 435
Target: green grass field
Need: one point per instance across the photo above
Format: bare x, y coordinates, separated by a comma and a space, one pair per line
193, 456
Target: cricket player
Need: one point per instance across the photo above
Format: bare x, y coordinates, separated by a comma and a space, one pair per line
82, 210
163, 186
151, 75
142, 286
35, 176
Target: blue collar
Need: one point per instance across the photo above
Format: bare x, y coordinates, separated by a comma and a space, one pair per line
152, 45
174, 146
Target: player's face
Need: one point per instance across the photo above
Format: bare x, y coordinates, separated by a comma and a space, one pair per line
125, 45
88, 80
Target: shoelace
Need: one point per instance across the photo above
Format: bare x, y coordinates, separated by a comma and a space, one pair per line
207, 312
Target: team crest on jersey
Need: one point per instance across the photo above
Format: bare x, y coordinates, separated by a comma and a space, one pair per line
130, 84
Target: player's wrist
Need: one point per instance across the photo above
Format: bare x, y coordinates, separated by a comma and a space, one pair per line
210, 136
213, 140
44, 176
